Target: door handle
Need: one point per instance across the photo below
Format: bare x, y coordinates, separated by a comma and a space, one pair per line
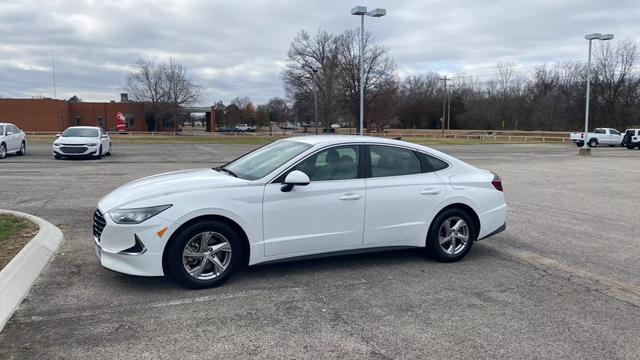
350, 196
430, 191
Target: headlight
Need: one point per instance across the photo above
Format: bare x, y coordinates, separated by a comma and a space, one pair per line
136, 216
56, 144
92, 144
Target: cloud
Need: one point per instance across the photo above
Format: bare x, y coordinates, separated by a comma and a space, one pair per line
237, 48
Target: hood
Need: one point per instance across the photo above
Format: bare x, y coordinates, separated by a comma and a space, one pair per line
166, 184
77, 140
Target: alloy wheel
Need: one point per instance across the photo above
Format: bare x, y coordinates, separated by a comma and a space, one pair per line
3, 151
453, 235
207, 255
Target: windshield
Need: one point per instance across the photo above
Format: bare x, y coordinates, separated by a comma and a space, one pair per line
261, 162
76, 132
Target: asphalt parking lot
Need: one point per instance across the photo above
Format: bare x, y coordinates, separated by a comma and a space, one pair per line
561, 282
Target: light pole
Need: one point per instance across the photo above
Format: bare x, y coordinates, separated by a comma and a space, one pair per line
362, 11
315, 97
595, 36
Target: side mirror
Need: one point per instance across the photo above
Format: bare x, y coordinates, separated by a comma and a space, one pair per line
296, 177
58, 135
105, 136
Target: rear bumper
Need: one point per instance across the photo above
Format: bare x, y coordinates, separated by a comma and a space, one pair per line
495, 232
493, 221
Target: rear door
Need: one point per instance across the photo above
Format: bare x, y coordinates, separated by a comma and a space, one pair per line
402, 194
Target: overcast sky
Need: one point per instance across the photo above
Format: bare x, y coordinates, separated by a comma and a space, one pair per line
237, 48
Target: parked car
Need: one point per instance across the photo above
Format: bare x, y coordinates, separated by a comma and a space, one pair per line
301, 196
12, 140
600, 136
631, 139
242, 128
82, 141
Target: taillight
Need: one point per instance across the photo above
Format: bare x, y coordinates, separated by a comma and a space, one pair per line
497, 182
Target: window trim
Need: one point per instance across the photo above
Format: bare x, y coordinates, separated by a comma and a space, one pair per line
361, 164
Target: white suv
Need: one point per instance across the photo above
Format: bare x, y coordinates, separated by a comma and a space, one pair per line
12, 140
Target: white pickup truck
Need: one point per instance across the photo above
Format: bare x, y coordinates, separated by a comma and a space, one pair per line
599, 136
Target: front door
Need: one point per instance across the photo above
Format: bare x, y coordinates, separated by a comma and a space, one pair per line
325, 215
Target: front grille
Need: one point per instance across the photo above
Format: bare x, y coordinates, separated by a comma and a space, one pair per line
74, 149
98, 224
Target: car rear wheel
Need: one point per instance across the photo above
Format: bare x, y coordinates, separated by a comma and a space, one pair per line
579, 144
204, 254
593, 143
451, 235
23, 149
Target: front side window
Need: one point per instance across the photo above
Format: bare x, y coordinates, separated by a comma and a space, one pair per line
261, 162
337, 163
393, 161
1, 129
614, 132
599, 131
13, 129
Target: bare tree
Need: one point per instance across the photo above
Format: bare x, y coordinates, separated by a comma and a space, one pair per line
146, 83
163, 86
379, 70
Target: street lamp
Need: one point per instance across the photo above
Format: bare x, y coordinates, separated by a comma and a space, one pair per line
595, 36
362, 11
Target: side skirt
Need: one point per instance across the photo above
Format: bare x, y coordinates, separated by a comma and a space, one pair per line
337, 253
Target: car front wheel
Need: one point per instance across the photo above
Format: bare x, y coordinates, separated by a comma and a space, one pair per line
451, 235
3, 151
203, 255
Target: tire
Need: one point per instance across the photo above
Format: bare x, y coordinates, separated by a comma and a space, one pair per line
3, 151
109, 153
23, 149
448, 251
579, 144
593, 143
57, 157
99, 156
630, 147
184, 269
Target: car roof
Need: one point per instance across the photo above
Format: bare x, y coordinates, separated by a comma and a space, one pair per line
342, 139
84, 127
1, 123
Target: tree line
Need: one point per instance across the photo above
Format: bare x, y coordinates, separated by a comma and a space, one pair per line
551, 97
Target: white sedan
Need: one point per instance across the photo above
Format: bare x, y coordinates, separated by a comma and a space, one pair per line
82, 141
12, 140
293, 198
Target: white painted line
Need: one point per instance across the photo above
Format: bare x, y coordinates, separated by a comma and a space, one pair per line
23, 270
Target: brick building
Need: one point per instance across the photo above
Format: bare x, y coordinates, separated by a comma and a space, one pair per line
56, 115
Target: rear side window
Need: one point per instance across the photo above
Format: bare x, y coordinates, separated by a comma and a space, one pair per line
1, 129
393, 161
430, 163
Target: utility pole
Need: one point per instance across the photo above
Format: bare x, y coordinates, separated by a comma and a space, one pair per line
449, 109
444, 103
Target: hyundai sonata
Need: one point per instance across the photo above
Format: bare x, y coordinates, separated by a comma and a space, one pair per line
294, 198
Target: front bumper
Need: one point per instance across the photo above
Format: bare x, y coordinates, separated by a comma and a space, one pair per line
133, 249
75, 150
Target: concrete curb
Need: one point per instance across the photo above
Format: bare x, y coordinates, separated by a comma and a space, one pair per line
23, 270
